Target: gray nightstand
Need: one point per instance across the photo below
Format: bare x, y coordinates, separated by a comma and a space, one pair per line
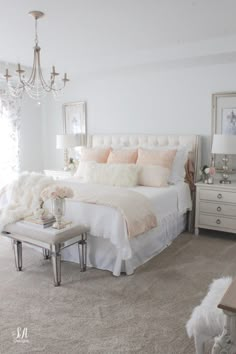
215, 207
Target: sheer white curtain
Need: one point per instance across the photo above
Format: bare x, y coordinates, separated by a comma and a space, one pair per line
9, 138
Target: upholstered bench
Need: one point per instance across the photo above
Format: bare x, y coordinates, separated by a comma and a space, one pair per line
52, 241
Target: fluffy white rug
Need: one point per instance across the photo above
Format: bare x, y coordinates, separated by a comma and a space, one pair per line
207, 320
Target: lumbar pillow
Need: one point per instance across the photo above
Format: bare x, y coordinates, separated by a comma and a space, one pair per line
122, 175
153, 176
95, 154
123, 156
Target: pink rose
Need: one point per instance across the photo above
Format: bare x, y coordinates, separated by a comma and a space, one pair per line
212, 171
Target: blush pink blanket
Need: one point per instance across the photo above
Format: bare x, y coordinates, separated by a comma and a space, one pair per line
135, 207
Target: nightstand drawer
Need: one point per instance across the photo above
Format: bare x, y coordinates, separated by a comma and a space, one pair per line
217, 221
216, 196
218, 208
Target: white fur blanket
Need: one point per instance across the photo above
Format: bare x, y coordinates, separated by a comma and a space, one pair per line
22, 197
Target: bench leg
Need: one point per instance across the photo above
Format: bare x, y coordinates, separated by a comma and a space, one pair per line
18, 254
56, 264
46, 253
82, 248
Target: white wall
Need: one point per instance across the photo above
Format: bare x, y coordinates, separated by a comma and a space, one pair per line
142, 99
31, 157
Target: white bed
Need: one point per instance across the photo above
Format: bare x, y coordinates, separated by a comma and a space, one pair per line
109, 247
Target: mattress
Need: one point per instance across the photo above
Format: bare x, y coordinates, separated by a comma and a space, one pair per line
108, 244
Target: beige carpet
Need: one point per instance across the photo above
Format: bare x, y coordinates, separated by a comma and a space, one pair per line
94, 312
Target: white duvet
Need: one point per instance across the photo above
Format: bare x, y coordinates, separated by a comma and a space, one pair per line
108, 222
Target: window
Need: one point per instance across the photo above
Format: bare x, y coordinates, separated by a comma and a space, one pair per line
9, 139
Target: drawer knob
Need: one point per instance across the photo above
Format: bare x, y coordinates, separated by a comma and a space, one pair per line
218, 221
218, 208
219, 196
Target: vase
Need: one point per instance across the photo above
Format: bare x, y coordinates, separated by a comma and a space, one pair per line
58, 210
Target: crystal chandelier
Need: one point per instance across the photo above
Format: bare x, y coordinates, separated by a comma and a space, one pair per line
35, 86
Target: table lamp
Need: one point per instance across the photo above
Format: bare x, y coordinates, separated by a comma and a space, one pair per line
68, 141
224, 144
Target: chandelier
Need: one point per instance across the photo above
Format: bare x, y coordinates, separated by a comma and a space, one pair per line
35, 86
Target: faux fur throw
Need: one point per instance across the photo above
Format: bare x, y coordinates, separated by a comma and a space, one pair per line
21, 198
207, 320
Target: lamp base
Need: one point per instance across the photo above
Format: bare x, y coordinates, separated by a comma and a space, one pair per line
225, 175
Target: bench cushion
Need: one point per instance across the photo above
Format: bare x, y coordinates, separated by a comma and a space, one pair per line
27, 233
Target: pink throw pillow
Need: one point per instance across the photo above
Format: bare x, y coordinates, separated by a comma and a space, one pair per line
99, 155
123, 156
153, 176
162, 158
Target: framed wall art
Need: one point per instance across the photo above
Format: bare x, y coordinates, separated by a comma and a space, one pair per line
75, 122
224, 120
74, 118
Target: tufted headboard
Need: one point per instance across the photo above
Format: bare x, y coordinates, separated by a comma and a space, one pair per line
141, 140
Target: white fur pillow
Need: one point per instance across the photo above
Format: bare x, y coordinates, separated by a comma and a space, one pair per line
153, 176
122, 175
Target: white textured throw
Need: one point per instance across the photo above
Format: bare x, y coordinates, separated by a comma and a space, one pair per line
21, 198
207, 320
135, 207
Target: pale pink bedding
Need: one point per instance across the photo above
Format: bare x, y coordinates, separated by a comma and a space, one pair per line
135, 207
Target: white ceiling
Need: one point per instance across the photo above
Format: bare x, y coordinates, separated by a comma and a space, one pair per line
87, 35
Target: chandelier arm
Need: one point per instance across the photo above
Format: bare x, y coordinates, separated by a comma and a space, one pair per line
31, 79
58, 89
42, 80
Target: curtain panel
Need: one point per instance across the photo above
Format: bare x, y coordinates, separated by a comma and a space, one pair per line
10, 122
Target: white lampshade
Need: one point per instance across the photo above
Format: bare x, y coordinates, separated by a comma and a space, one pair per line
224, 144
65, 141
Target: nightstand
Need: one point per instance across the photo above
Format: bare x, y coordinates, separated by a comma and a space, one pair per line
215, 207
59, 174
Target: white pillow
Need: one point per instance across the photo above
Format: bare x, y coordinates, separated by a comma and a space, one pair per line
122, 175
153, 176
81, 170
177, 173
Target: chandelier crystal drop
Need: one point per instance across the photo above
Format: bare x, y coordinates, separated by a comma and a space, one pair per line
35, 86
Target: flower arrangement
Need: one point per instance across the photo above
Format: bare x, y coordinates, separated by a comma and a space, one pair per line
56, 192
207, 173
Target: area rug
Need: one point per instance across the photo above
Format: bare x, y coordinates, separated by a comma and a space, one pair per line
94, 312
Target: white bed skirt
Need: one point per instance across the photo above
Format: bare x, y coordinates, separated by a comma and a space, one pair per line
103, 255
